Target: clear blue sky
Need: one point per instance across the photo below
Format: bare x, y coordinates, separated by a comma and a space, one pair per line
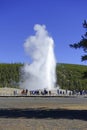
63, 19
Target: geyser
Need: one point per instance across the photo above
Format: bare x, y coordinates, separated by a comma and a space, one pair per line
41, 72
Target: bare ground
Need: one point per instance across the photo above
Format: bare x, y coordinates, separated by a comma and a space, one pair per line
43, 114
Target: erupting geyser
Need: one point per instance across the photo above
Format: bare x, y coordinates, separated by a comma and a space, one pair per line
41, 73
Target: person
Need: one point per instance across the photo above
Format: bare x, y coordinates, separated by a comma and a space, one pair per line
15, 92
26, 92
49, 92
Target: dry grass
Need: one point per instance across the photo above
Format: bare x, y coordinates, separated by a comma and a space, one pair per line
8, 91
28, 115
44, 117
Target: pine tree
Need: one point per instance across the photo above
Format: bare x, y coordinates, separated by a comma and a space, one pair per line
83, 43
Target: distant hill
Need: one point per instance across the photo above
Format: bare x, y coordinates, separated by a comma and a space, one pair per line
69, 76
10, 74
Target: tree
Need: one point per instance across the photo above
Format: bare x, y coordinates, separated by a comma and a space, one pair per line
83, 43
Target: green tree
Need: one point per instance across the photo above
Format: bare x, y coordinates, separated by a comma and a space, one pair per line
82, 43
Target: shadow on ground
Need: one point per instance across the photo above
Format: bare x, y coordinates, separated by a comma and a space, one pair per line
42, 113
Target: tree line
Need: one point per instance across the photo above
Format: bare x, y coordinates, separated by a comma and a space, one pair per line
69, 76
10, 74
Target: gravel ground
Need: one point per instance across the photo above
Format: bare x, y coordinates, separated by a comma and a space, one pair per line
36, 113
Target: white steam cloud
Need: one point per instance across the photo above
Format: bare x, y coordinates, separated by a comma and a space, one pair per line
41, 73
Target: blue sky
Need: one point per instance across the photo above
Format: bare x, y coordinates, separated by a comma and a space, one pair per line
63, 20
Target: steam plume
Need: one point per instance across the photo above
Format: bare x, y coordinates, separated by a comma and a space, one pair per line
40, 73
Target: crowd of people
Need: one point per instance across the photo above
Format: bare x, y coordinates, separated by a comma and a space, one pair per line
26, 92
35, 92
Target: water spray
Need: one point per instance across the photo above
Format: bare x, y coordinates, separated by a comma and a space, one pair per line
41, 72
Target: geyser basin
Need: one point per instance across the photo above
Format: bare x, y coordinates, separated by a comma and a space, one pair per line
41, 72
